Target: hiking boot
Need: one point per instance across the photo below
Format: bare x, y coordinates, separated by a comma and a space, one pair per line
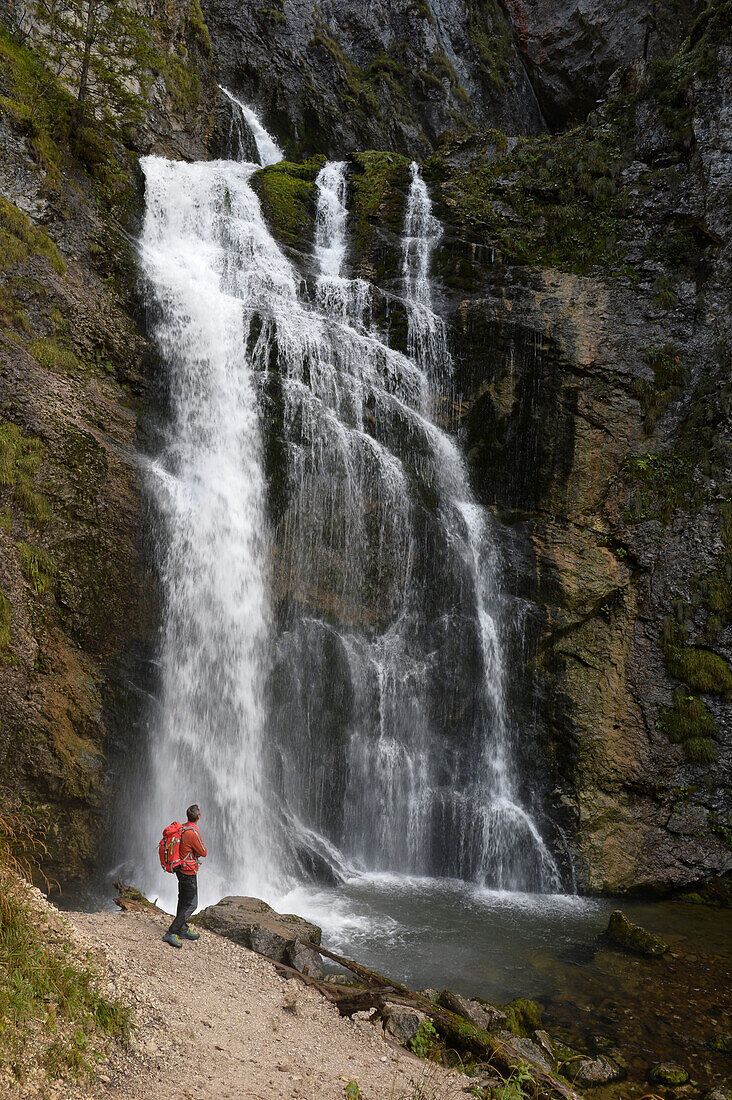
186, 934
172, 939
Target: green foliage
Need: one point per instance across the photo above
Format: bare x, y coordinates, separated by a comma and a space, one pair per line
102, 52
378, 183
664, 294
425, 1041
552, 200
287, 194
20, 459
720, 829
37, 567
668, 374
513, 1087
196, 29
19, 238
659, 483
699, 668
39, 985
183, 82
491, 33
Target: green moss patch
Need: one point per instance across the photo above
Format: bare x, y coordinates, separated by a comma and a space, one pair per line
524, 1016
655, 396
20, 459
690, 723
689, 717
6, 614
37, 567
19, 238
379, 182
551, 200
52, 355
699, 668
287, 194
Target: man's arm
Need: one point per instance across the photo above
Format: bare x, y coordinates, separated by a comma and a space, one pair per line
194, 838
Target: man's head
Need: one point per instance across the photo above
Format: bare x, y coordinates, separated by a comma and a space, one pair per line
193, 812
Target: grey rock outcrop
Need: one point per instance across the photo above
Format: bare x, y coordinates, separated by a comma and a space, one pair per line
401, 1022
254, 924
597, 1071
572, 47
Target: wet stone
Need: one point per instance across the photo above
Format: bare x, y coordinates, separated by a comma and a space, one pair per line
633, 938
668, 1073
597, 1071
482, 1014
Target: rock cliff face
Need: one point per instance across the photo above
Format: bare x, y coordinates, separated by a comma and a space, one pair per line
75, 596
335, 77
596, 415
585, 278
572, 47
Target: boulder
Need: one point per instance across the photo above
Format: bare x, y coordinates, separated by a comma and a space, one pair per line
544, 1040
527, 1050
668, 1073
719, 1092
597, 1071
254, 924
401, 1022
305, 960
633, 938
481, 1014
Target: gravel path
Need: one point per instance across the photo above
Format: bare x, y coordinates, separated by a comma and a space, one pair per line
217, 1022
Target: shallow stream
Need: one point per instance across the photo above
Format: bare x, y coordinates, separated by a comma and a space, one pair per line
499, 945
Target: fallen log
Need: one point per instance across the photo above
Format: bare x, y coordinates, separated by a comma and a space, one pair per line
459, 1032
131, 900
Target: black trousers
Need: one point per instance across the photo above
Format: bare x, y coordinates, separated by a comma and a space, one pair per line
187, 901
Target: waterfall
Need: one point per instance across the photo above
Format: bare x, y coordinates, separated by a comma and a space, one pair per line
268, 150
331, 660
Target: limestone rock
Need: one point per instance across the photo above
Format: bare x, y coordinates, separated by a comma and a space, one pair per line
305, 960
482, 1015
633, 938
401, 1022
254, 924
527, 1050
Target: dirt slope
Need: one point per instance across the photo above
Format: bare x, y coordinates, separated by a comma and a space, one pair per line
217, 1023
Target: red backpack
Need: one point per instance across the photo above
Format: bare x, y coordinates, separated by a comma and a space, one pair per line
169, 848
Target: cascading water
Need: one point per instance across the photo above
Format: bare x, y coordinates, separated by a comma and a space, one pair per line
331, 664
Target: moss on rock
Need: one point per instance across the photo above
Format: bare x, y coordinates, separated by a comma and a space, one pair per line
287, 194
524, 1016
699, 668
633, 938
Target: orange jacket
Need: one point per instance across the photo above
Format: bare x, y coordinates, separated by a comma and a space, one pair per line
191, 848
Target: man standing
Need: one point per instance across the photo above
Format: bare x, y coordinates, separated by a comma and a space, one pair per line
190, 851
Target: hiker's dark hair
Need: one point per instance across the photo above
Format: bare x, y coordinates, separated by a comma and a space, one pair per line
193, 812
